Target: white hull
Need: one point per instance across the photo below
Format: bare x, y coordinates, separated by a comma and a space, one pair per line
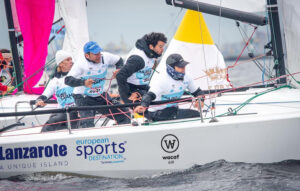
270, 135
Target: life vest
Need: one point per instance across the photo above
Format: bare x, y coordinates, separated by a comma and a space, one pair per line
143, 76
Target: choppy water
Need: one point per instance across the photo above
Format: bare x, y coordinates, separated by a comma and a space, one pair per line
218, 175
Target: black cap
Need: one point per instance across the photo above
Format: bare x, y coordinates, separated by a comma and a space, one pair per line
176, 60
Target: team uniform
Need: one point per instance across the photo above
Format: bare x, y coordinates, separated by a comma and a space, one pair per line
96, 95
136, 74
168, 86
64, 96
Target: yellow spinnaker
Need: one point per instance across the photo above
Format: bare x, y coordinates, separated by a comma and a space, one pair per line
193, 29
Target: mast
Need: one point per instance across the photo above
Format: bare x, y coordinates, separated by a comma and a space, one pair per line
13, 44
276, 40
215, 10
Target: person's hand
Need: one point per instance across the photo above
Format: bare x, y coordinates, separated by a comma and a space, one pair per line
135, 96
10, 88
88, 83
115, 73
114, 95
196, 104
140, 109
40, 103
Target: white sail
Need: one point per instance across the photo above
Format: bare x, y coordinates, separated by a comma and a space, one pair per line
241, 5
194, 42
290, 15
75, 19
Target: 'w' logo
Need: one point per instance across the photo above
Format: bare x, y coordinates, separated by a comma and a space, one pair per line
169, 143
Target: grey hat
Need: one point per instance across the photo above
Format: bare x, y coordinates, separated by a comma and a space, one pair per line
176, 60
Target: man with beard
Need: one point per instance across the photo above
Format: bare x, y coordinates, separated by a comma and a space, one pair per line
88, 77
134, 77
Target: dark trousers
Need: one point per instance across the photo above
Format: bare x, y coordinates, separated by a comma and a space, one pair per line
94, 101
171, 113
59, 117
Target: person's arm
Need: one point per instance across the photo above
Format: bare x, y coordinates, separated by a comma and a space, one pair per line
73, 78
74, 82
146, 100
196, 92
119, 64
48, 92
134, 64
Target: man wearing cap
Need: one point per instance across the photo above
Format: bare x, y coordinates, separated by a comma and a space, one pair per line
6, 68
88, 77
134, 77
170, 85
63, 93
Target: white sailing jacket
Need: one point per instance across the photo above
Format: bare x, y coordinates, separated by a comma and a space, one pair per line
166, 88
143, 76
84, 69
63, 92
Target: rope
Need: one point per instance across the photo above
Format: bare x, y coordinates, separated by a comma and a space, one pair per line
224, 114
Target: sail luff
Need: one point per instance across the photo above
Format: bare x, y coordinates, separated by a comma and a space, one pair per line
290, 15
215, 10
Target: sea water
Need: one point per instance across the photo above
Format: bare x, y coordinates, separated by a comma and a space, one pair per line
218, 175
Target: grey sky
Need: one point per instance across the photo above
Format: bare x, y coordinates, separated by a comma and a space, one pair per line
109, 20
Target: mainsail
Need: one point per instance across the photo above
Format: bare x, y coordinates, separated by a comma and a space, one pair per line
194, 42
75, 19
290, 16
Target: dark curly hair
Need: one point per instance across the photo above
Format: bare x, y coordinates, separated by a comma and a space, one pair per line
154, 37
4, 50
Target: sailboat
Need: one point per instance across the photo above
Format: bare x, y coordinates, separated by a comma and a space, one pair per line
256, 125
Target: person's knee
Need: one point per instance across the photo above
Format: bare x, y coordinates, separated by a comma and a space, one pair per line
48, 128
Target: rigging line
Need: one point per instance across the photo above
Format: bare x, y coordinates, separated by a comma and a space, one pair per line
123, 112
229, 67
217, 50
243, 49
251, 49
116, 106
271, 69
197, 119
169, 30
107, 102
298, 82
203, 46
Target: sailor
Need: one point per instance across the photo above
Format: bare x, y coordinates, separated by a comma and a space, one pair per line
6, 68
7, 60
134, 77
88, 77
63, 93
170, 85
